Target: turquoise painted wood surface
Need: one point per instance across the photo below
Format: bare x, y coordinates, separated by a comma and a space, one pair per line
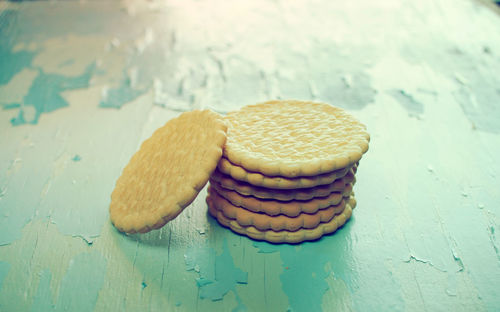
83, 83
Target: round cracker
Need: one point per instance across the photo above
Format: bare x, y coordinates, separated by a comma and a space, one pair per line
294, 138
278, 182
264, 222
274, 207
166, 174
283, 236
247, 189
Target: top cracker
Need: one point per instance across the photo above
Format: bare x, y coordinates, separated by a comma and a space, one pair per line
294, 138
167, 172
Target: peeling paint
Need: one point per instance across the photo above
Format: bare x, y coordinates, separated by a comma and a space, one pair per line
124, 93
308, 266
426, 224
217, 273
4, 270
407, 101
44, 95
11, 62
86, 273
428, 262
491, 233
43, 299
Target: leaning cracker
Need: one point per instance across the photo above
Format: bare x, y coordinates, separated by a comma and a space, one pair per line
278, 182
274, 207
294, 138
285, 195
264, 222
282, 236
167, 172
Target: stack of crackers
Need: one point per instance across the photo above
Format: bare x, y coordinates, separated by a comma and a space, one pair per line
287, 171
279, 171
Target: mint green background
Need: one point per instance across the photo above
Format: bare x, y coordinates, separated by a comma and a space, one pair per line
83, 84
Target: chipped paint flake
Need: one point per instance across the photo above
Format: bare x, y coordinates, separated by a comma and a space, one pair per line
217, 273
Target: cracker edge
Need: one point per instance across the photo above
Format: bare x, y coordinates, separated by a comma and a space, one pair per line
275, 207
128, 223
240, 173
247, 189
228, 210
301, 168
296, 237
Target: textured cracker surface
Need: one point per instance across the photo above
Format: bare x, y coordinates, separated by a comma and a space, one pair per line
247, 189
264, 222
283, 236
278, 182
294, 138
165, 175
274, 207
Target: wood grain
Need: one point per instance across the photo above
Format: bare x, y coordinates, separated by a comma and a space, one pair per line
82, 84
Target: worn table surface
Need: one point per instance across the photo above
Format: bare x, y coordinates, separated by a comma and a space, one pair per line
83, 83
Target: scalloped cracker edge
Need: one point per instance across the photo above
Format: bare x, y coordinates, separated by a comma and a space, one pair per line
294, 138
166, 174
264, 222
275, 207
282, 236
247, 189
277, 182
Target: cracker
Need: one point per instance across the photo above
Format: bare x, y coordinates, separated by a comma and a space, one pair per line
165, 175
284, 195
278, 182
264, 222
282, 236
274, 207
294, 138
